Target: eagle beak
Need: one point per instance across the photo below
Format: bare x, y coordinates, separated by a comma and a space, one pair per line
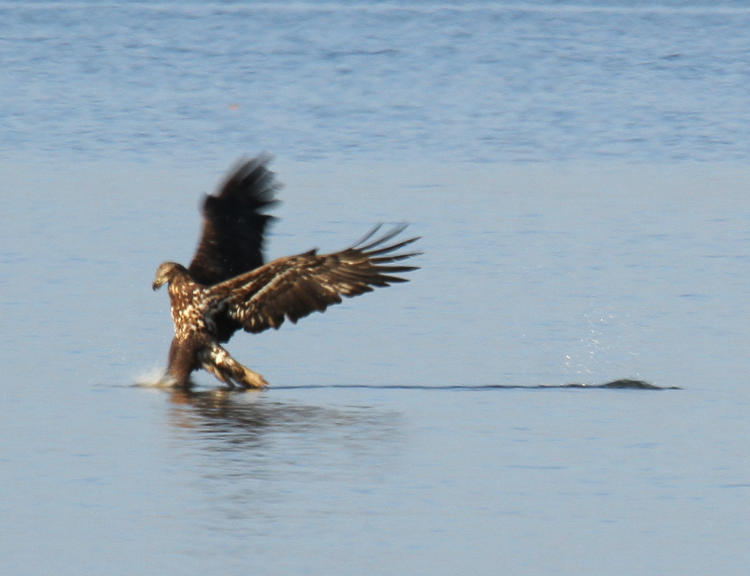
157, 284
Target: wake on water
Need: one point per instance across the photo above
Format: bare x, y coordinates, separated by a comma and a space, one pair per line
153, 378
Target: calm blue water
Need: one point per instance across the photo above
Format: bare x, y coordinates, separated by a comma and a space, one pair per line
537, 81
578, 175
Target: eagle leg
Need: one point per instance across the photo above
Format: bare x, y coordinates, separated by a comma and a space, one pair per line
217, 361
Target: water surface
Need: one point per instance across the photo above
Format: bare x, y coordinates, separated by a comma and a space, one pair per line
393, 438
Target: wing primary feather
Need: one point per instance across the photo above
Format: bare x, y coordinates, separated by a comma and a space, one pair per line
369, 235
396, 258
378, 241
396, 268
389, 248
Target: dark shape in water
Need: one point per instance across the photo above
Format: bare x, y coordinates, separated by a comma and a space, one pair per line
227, 287
623, 384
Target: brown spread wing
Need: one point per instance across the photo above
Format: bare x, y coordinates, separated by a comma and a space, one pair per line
295, 286
234, 224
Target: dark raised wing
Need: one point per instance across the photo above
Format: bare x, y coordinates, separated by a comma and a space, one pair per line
234, 224
295, 286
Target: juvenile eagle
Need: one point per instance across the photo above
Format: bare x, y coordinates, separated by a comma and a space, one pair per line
227, 286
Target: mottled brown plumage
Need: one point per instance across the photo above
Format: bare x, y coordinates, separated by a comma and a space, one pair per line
227, 287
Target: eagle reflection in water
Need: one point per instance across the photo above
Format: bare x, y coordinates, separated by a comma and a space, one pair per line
228, 287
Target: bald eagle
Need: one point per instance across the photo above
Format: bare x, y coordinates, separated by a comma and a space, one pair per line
227, 286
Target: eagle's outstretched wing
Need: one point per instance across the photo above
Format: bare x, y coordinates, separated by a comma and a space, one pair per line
295, 286
233, 224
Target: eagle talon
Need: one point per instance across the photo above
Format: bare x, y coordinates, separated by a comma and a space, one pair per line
253, 381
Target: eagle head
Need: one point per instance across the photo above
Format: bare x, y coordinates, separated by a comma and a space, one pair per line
165, 273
